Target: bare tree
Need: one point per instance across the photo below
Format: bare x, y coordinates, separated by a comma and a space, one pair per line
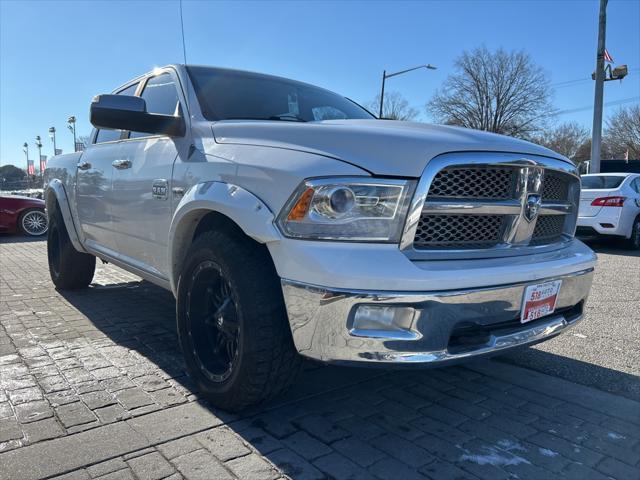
584, 151
395, 107
502, 92
566, 138
623, 132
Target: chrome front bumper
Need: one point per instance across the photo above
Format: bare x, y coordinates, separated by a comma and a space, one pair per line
446, 326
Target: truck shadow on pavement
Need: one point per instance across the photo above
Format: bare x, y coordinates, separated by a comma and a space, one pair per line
442, 423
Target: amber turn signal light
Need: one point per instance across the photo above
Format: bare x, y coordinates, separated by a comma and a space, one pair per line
300, 209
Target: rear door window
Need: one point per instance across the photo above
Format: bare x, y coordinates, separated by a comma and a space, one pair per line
107, 135
602, 182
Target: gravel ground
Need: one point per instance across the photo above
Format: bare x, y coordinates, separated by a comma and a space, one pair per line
602, 351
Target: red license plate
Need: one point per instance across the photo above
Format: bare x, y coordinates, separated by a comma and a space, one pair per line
539, 300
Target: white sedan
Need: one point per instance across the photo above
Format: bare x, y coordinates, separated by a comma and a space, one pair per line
610, 205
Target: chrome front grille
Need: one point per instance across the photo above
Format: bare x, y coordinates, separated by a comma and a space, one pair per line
472, 183
474, 205
555, 187
459, 231
548, 229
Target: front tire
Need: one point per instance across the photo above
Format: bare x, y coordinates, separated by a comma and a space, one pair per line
634, 242
232, 323
69, 269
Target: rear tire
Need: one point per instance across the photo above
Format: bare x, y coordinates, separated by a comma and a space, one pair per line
634, 242
69, 269
232, 322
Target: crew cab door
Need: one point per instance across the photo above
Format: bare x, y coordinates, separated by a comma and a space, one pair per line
94, 185
143, 201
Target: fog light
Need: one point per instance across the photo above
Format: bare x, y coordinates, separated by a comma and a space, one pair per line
607, 225
383, 319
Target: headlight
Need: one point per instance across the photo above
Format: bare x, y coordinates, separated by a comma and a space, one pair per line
355, 209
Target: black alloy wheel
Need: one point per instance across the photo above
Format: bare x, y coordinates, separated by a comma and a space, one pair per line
213, 320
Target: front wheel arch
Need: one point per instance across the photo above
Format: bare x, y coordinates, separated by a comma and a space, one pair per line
212, 205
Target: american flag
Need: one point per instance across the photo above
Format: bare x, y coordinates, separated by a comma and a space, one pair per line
43, 163
607, 57
31, 168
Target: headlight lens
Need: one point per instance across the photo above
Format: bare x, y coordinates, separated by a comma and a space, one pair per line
353, 209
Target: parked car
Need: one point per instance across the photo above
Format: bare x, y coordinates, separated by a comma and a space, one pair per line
288, 220
23, 215
610, 207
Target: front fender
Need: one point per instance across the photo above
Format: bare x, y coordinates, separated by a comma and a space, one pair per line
55, 192
241, 206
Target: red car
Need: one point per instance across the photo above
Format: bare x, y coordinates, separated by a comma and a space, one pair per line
23, 214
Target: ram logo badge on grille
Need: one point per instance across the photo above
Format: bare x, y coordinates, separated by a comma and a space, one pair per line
532, 207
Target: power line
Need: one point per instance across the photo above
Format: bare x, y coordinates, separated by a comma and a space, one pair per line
576, 81
607, 104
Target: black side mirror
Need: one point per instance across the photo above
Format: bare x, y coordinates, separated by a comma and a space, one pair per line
125, 112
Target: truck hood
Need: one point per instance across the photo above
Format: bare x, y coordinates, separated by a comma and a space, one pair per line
383, 147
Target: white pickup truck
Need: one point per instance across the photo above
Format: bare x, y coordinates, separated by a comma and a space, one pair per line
288, 221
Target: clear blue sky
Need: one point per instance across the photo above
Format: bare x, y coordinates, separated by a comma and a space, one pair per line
55, 55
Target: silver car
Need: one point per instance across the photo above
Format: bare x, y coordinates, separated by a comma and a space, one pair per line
610, 206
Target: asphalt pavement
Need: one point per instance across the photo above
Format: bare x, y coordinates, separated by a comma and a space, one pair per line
603, 350
93, 386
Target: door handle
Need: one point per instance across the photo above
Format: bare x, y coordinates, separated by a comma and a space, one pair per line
84, 166
121, 164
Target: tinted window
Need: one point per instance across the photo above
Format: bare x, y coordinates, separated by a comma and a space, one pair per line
105, 135
228, 94
161, 96
600, 182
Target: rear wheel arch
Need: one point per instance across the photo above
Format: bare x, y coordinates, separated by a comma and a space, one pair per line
51, 201
56, 201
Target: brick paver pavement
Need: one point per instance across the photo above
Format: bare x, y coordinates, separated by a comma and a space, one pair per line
92, 385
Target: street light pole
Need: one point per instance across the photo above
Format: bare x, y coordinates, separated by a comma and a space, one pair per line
26, 151
385, 76
39, 145
52, 135
72, 126
596, 139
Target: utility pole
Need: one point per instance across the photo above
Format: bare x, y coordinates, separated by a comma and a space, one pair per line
596, 132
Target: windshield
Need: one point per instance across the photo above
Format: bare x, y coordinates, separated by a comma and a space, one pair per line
601, 182
234, 95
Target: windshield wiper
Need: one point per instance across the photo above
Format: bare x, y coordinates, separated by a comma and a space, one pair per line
281, 118
287, 117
